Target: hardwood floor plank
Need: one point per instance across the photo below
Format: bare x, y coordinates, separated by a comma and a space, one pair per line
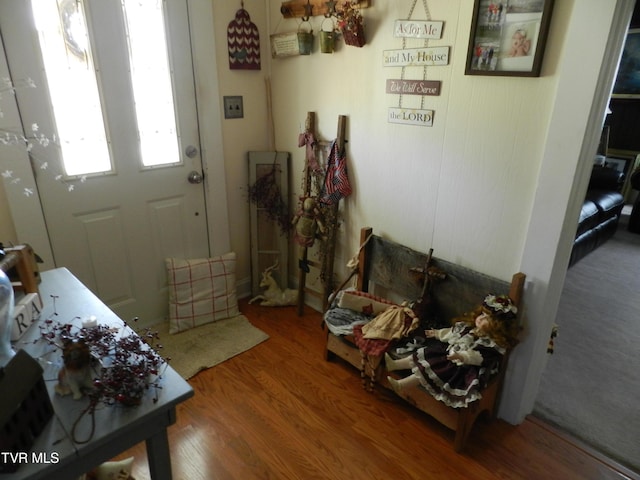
280, 411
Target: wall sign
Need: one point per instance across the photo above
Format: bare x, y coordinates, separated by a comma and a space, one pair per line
415, 32
284, 45
413, 87
25, 312
417, 29
411, 116
416, 57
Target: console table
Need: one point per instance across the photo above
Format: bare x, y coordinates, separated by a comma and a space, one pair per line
117, 428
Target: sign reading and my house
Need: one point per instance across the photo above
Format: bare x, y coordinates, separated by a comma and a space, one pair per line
415, 57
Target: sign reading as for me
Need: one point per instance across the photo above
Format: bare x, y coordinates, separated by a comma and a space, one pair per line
412, 57
417, 29
409, 116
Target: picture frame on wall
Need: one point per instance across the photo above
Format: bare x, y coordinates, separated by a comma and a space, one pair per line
621, 164
508, 37
627, 84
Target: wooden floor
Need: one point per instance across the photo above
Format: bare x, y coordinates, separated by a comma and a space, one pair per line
280, 411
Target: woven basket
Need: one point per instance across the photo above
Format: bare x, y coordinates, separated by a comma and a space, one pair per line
354, 37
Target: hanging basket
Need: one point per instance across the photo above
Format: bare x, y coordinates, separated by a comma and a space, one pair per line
305, 40
327, 37
354, 36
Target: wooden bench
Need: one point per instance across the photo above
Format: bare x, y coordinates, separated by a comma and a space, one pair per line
387, 268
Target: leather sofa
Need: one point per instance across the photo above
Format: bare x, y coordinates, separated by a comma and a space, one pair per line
634, 218
600, 212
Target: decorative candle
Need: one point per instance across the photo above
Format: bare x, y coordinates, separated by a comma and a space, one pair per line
90, 322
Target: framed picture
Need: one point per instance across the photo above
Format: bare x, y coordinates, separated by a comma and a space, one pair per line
619, 164
508, 37
627, 84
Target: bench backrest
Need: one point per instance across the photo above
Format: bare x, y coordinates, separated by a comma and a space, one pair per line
386, 266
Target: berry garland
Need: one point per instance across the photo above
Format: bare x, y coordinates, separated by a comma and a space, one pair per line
129, 363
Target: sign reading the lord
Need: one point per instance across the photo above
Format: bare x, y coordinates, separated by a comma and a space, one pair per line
410, 116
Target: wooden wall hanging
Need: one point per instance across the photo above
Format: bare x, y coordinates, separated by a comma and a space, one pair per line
243, 40
297, 8
421, 57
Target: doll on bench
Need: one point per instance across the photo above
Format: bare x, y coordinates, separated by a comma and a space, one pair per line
456, 362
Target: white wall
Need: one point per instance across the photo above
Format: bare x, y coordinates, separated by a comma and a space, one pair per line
243, 135
464, 186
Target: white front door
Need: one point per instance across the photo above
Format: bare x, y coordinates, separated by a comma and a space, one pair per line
113, 179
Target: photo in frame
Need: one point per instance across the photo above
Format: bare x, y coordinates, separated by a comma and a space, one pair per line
508, 38
627, 84
620, 164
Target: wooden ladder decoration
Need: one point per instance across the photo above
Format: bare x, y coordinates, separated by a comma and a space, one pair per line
327, 261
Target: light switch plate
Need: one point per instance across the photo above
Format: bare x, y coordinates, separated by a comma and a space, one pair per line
233, 107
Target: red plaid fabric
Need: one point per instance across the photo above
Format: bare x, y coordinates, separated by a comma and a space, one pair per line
370, 346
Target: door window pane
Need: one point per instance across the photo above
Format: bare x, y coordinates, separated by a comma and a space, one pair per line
73, 87
151, 79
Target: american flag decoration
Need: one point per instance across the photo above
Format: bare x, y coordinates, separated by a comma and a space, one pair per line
336, 182
244, 42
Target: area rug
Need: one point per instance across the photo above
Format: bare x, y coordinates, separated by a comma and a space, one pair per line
203, 347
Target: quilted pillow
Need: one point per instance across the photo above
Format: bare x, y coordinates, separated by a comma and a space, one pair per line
363, 302
201, 291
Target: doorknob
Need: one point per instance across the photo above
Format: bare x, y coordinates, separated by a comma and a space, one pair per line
195, 177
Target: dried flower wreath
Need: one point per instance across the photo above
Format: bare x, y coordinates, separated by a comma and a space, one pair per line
266, 194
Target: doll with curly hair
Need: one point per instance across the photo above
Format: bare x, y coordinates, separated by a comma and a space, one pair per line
456, 362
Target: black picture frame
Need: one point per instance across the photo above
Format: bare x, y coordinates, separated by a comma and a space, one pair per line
508, 37
627, 84
619, 163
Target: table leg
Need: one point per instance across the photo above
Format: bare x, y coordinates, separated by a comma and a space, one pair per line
158, 456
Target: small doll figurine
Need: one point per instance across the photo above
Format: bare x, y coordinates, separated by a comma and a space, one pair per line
75, 375
456, 362
307, 222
